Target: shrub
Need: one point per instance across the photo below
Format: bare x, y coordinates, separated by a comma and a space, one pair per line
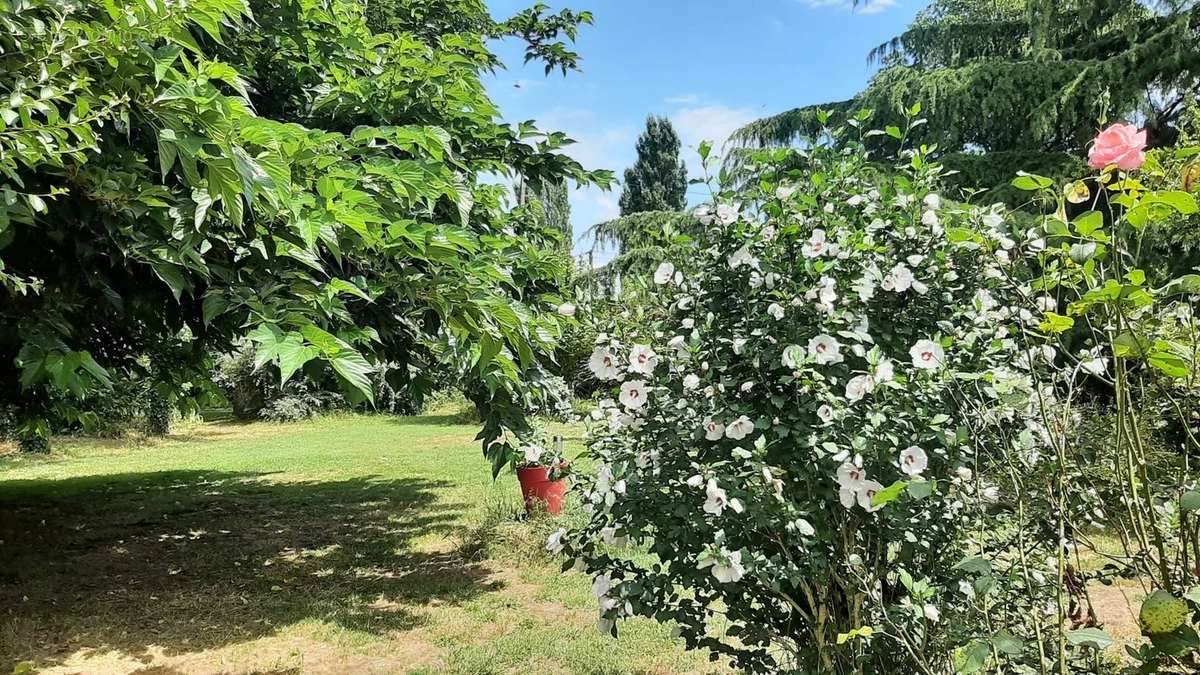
853, 439
299, 403
156, 414
245, 387
256, 393
787, 440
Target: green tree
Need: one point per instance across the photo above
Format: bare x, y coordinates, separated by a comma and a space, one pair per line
553, 210
651, 202
657, 181
175, 178
1021, 84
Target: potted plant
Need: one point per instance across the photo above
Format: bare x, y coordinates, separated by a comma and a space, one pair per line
542, 474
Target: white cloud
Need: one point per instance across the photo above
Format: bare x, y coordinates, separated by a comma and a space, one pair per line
713, 122
864, 6
598, 145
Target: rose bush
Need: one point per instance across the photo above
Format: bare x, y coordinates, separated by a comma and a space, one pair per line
789, 442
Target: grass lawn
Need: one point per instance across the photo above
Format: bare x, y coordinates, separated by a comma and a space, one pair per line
342, 545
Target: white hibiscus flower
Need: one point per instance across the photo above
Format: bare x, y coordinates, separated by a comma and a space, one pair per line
802, 526
715, 499
793, 356
727, 568
727, 214
913, 461
825, 349
927, 355
858, 387
825, 413
865, 288
663, 274
850, 475
533, 453
739, 428
633, 394
1096, 366
816, 246
899, 279
848, 496
642, 359
885, 371
691, 381
603, 365
566, 309
741, 257
554, 543
776, 311
933, 201
825, 293
713, 431
866, 491
785, 192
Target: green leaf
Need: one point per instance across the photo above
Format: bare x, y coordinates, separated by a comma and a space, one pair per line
889, 493
1089, 637
1008, 644
1088, 223
1055, 323
1179, 642
1182, 202
292, 355
212, 307
920, 489
166, 151
974, 565
355, 370
1169, 364
1029, 181
972, 658
343, 286
172, 276
346, 360
1186, 284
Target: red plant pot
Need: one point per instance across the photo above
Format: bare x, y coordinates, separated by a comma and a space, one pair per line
541, 492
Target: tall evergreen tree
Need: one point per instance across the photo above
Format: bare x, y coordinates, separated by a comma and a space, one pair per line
1022, 84
554, 206
657, 181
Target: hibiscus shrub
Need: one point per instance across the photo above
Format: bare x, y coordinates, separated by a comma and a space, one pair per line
788, 442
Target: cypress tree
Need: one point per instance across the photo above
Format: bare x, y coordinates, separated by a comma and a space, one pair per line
657, 181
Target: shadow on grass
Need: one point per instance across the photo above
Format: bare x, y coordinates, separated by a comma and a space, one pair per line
191, 560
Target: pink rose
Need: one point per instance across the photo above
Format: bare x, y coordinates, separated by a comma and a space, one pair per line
1120, 144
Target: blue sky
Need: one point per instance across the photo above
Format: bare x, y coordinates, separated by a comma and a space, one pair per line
709, 65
